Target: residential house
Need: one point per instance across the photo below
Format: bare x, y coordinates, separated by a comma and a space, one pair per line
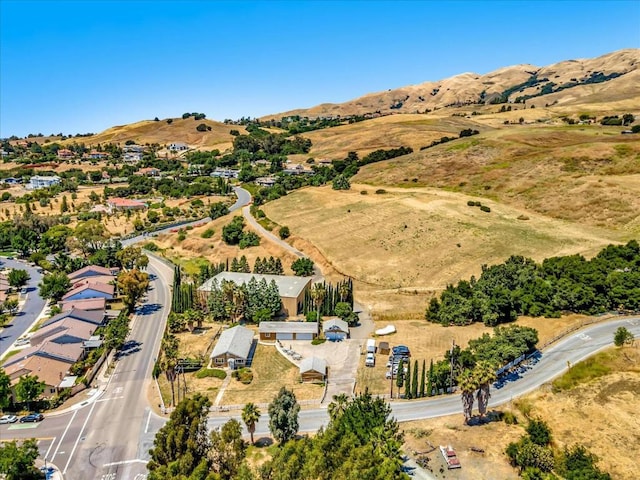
91, 271
272, 331
96, 155
40, 181
234, 348
225, 173
195, 168
177, 147
94, 317
115, 204
12, 181
335, 329
265, 181
64, 154
90, 290
88, 305
313, 369
132, 157
148, 172
66, 331
290, 288
295, 169
63, 352
3, 153
48, 370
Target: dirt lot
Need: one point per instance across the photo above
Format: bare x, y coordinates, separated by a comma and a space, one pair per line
405, 245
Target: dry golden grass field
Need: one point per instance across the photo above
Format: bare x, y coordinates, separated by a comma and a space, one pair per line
587, 174
179, 131
600, 414
194, 248
406, 244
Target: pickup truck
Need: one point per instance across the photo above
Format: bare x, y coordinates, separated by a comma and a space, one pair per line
370, 361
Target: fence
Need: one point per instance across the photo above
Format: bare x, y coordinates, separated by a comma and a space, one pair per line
584, 323
261, 406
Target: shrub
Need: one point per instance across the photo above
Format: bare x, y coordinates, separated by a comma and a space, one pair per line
284, 232
208, 233
169, 121
152, 247
509, 418
202, 127
249, 239
318, 341
471, 203
484, 208
381, 191
181, 236
243, 375
363, 192
211, 372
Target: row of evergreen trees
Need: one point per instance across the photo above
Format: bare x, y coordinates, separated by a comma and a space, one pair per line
269, 266
332, 295
184, 294
520, 286
254, 301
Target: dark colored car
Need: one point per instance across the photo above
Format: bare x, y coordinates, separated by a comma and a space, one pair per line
32, 417
401, 350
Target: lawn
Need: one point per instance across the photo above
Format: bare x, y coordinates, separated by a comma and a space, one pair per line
270, 372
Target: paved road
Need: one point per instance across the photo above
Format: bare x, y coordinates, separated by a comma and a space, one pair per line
33, 306
109, 438
551, 363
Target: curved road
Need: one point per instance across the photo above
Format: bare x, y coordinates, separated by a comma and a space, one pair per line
108, 436
32, 308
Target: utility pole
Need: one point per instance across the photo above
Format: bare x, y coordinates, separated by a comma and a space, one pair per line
391, 380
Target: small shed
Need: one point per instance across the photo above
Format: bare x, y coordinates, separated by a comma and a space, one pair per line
313, 369
335, 330
383, 348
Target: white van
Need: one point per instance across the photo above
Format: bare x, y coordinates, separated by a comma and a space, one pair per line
371, 346
370, 360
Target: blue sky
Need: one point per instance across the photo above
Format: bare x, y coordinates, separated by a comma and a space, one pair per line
85, 66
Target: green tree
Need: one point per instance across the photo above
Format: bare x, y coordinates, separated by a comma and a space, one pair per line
422, 378
430, 379
17, 461
318, 294
232, 232
5, 390
18, 278
28, 389
284, 232
54, 285
283, 416
218, 209
407, 385
341, 183
338, 406
468, 385
116, 331
539, 432
414, 380
343, 310
64, 206
622, 337
182, 444
132, 257
400, 374
132, 285
251, 416
227, 451
54, 240
484, 374
303, 267
89, 236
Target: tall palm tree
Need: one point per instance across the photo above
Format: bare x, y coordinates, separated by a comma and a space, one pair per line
250, 416
318, 292
468, 385
338, 406
343, 291
485, 374
169, 362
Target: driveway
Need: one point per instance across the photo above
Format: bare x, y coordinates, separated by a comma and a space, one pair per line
342, 361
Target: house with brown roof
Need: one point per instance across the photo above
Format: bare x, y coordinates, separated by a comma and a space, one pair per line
148, 172
95, 317
48, 370
90, 290
313, 369
92, 271
87, 304
65, 331
64, 154
63, 352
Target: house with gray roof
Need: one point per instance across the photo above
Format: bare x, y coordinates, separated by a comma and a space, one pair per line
335, 329
290, 288
313, 369
272, 331
234, 348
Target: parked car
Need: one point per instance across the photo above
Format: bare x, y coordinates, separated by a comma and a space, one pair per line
32, 417
370, 361
22, 341
402, 350
8, 419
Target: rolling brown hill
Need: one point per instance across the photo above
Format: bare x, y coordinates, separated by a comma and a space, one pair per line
617, 72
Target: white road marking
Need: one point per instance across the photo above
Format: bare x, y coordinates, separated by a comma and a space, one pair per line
110, 398
64, 433
108, 476
146, 428
75, 445
140, 476
125, 462
46, 455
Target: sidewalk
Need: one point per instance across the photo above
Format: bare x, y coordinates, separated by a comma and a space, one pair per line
51, 471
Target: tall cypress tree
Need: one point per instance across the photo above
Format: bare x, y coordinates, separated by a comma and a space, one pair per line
422, 376
407, 385
414, 381
430, 380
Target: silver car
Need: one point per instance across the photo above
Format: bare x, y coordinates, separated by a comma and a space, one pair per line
8, 419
